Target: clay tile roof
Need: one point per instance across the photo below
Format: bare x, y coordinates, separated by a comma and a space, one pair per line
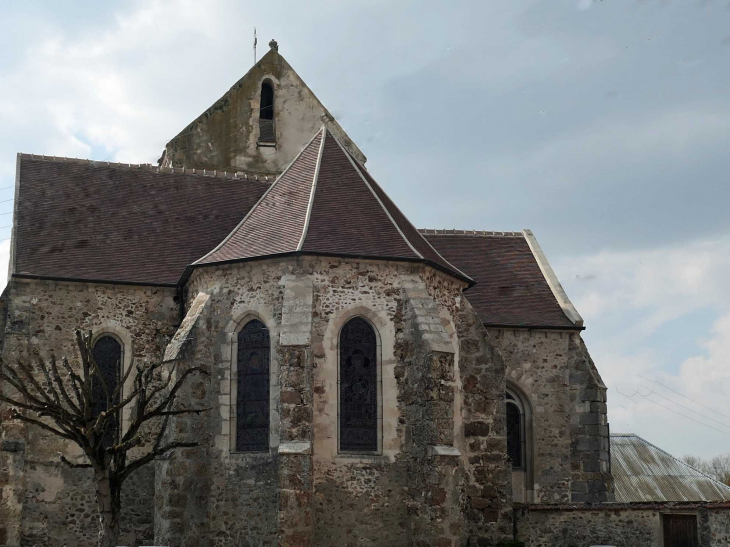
511, 290
85, 220
326, 203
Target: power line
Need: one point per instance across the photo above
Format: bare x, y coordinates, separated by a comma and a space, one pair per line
675, 412
685, 407
678, 393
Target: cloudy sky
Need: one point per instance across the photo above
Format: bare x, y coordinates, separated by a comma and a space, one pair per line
601, 125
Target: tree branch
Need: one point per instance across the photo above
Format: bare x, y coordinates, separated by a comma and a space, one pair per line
147, 458
75, 465
21, 417
62, 389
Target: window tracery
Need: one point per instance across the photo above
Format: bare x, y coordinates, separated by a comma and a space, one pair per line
253, 392
358, 409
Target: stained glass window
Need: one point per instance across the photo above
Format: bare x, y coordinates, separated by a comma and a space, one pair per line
107, 353
358, 387
252, 400
514, 433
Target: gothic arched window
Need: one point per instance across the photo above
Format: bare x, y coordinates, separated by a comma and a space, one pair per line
518, 413
107, 353
252, 396
266, 113
358, 387
515, 432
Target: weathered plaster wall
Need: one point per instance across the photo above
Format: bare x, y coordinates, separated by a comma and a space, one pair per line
43, 502
568, 403
225, 137
618, 525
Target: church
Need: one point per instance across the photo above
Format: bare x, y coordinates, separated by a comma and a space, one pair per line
371, 383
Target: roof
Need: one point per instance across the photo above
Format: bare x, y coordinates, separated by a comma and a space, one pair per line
326, 203
643, 472
511, 288
97, 221
85, 220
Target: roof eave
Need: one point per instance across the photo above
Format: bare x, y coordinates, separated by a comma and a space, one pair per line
189, 269
533, 327
92, 280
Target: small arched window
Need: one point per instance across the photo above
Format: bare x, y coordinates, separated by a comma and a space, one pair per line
252, 396
358, 378
267, 132
107, 353
515, 432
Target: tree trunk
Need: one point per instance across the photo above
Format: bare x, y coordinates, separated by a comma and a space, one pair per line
108, 499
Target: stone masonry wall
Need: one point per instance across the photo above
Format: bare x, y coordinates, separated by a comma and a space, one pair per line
589, 438
536, 362
241, 502
618, 525
487, 499
414, 489
568, 403
376, 499
225, 136
44, 503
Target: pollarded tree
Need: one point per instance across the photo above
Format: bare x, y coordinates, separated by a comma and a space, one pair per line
69, 404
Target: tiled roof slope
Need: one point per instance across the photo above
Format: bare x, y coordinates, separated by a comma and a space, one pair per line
510, 289
643, 472
84, 220
326, 203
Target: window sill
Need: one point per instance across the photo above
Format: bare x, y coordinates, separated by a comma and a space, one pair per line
362, 456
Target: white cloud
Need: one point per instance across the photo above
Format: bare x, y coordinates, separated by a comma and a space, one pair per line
661, 284
633, 302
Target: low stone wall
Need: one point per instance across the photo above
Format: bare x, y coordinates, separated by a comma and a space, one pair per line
616, 524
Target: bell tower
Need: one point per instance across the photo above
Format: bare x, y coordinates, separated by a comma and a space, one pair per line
258, 126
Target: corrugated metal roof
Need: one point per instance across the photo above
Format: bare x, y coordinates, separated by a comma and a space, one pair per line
644, 472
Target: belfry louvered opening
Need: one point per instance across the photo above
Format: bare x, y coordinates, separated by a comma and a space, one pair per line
267, 131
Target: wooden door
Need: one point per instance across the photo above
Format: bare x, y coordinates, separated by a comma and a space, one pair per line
680, 531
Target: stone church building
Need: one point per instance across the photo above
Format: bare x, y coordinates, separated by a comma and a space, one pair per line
371, 383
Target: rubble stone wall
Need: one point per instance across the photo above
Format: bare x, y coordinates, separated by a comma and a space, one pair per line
617, 525
568, 407
413, 488
42, 502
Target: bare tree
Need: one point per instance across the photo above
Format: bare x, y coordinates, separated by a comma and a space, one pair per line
63, 404
718, 467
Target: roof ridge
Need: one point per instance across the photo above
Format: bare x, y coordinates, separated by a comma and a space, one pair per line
382, 206
242, 175
315, 178
359, 168
255, 206
456, 232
